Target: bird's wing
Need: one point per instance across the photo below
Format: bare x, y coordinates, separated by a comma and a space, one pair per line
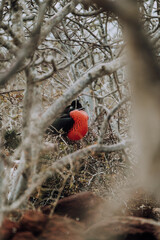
64, 123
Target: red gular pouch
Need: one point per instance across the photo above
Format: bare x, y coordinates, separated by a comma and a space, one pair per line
80, 126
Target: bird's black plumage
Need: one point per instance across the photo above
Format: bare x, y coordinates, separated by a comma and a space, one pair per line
65, 122
74, 105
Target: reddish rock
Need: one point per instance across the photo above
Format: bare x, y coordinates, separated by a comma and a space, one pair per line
8, 229
124, 228
84, 207
42, 227
24, 236
62, 228
47, 209
33, 221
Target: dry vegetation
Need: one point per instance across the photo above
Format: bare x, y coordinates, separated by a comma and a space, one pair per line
103, 52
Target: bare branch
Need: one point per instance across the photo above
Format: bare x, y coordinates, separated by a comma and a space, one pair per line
26, 51
59, 165
104, 126
98, 71
87, 14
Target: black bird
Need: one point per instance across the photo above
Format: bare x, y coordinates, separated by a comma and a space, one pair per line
73, 121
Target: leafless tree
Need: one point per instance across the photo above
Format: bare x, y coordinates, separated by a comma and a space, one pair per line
54, 51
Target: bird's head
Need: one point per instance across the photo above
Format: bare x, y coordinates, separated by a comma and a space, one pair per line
73, 106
